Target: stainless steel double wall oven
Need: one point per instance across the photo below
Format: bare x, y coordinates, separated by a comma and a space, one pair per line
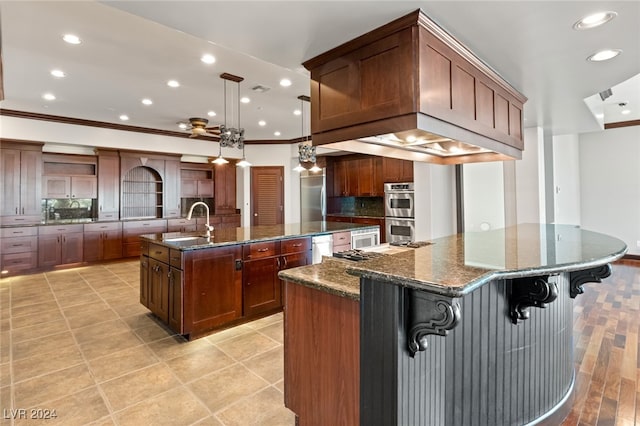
399, 211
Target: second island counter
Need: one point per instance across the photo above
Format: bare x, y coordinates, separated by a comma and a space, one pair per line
196, 284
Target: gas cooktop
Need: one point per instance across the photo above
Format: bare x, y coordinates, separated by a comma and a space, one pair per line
358, 255
410, 244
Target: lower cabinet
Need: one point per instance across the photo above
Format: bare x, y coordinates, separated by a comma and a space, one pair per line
132, 230
196, 291
18, 249
59, 245
102, 241
263, 261
212, 288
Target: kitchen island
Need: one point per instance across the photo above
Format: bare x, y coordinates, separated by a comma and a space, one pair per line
475, 328
196, 283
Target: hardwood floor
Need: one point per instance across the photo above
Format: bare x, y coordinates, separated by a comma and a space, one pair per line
606, 328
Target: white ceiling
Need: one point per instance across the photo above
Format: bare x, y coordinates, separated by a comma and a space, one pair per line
131, 48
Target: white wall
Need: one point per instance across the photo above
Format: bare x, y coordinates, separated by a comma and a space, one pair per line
566, 179
435, 209
529, 171
483, 189
610, 183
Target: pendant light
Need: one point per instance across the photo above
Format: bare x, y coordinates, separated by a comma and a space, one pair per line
306, 152
220, 159
242, 163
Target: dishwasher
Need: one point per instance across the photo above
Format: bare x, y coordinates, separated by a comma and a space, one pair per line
321, 245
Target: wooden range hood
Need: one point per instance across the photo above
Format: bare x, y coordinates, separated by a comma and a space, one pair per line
410, 90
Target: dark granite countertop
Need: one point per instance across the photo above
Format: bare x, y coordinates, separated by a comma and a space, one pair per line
229, 236
458, 264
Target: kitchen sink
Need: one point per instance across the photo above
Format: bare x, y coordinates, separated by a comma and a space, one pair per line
187, 238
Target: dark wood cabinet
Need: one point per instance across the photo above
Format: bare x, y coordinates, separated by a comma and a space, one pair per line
158, 289
59, 245
176, 286
356, 94
340, 179
196, 180
182, 225
132, 230
102, 241
395, 170
225, 188
262, 288
108, 185
18, 249
21, 183
213, 291
171, 187
144, 280
356, 176
69, 187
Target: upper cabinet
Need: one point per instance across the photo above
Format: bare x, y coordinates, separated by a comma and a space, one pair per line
172, 188
108, 184
225, 188
395, 170
364, 176
418, 93
196, 180
21, 174
69, 176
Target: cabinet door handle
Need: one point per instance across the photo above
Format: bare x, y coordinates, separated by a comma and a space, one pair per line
284, 263
100, 207
16, 210
296, 245
263, 250
58, 238
278, 262
23, 210
17, 245
17, 232
158, 252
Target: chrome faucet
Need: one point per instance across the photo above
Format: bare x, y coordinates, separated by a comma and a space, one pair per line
209, 227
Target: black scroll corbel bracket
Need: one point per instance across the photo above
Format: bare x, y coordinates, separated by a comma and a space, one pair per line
529, 292
593, 275
429, 314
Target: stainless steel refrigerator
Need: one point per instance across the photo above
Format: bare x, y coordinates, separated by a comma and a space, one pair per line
313, 196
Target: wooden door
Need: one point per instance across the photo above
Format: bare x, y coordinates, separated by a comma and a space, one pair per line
108, 187
262, 288
267, 195
49, 250
175, 300
30, 182
93, 246
295, 259
84, 187
56, 186
72, 247
159, 289
112, 245
144, 280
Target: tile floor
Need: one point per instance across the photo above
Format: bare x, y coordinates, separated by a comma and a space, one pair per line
78, 342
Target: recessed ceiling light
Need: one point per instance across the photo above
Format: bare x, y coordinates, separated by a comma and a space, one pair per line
71, 39
285, 82
173, 83
604, 55
625, 111
594, 20
262, 123
208, 59
211, 114
276, 133
297, 112
182, 125
245, 100
147, 101
601, 115
124, 117
58, 73
49, 97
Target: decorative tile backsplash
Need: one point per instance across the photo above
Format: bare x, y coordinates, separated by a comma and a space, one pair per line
362, 206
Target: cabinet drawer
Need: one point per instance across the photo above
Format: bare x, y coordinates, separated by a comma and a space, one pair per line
20, 220
103, 226
159, 252
26, 231
181, 222
338, 249
341, 238
14, 262
295, 245
175, 258
260, 250
60, 229
144, 227
19, 244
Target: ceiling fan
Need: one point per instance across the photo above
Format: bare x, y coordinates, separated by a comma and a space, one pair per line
198, 127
